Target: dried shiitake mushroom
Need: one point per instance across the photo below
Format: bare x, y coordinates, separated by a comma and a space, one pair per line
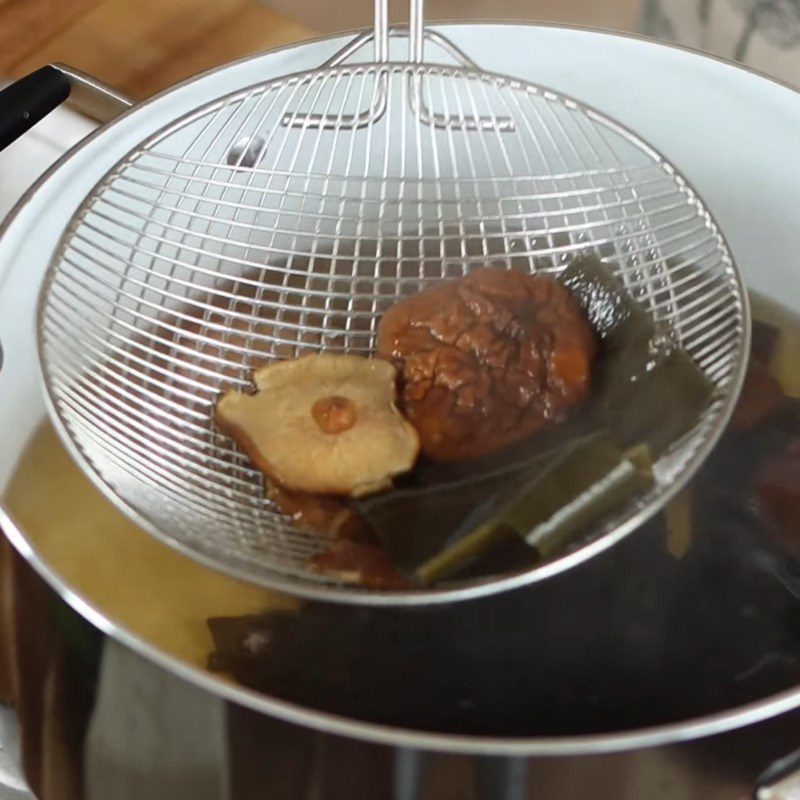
324, 423
323, 513
487, 359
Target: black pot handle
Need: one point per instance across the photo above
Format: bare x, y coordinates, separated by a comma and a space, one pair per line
30, 99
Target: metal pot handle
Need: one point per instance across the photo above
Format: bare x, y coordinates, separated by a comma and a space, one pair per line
781, 781
30, 99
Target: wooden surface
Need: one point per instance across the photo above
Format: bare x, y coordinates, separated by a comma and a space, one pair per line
328, 17
142, 46
138, 46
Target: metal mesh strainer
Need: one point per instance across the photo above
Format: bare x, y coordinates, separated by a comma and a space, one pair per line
288, 217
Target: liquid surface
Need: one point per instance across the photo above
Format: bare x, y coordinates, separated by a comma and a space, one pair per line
139, 583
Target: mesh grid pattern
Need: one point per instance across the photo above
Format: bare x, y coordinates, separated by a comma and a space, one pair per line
245, 232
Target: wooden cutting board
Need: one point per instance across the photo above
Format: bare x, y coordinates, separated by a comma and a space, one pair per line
329, 17
142, 46
138, 46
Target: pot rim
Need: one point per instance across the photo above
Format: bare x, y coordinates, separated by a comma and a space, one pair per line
686, 730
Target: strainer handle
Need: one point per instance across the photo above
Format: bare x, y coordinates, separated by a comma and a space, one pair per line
32, 98
416, 52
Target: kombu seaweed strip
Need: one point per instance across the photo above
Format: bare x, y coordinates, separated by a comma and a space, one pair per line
590, 479
416, 521
646, 387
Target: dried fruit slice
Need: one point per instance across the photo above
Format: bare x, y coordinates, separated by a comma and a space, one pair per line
324, 423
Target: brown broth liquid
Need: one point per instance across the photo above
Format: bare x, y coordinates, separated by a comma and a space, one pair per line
130, 577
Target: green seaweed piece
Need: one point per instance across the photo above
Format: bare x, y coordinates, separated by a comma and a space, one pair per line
632, 475
583, 483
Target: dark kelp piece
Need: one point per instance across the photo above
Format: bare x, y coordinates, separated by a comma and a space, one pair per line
764, 340
647, 389
615, 316
656, 406
761, 397
415, 521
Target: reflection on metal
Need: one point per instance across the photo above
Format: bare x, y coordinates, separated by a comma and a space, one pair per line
246, 152
502, 778
93, 98
407, 773
786, 789
153, 735
781, 781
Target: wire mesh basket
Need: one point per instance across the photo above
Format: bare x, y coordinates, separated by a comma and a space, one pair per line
288, 217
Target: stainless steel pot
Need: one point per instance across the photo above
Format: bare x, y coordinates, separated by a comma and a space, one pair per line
611, 675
